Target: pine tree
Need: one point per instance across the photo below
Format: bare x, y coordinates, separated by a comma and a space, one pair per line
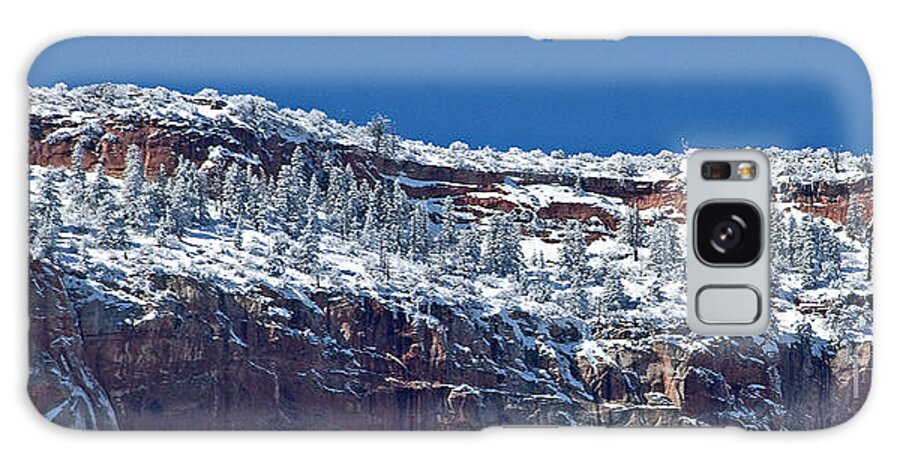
375, 234
257, 201
829, 256
467, 256
503, 247
384, 259
541, 290
808, 263
778, 239
262, 221
157, 195
447, 239
299, 192
180, 199
666, 255
576, 299
856, 223
578, 186
419, 240
514, 260
573, 268
613, 297
45, 217
280, 201
335, 194
351, 223
867, 245
374, 217
398, 216
342, 214
166, 229
623, 166
289, 199
109, 220
134, 194
234, 194
308, 254
98, 188
41, 238
278, 253
630, 230
791, 252
379, 132
52, 199
836, 320
200, 195
836, 161
313, 197
365, 191
237, 233
490, 249
77, 187
573, 256
389, 213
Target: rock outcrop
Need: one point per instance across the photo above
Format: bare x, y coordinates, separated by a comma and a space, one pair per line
205, 358
62, 384
163, 144
191, 352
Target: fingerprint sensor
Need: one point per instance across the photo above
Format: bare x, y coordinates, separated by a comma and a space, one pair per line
724, 304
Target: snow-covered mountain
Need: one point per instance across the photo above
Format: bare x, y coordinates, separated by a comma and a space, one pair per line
214, 261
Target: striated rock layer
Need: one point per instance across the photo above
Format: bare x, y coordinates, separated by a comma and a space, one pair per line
210, 359
209, 356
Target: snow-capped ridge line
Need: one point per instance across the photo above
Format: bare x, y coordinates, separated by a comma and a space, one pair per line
81, 112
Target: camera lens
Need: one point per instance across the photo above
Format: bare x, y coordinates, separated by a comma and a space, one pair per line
728, 233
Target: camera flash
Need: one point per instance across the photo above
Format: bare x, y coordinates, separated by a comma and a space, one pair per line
746, 170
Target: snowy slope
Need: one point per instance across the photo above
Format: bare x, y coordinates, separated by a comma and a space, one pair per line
82, 111
573, 331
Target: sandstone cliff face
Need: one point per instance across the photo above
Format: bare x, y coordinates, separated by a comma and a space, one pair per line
61, 384
212, 355
163, 145
831, 200
210, 359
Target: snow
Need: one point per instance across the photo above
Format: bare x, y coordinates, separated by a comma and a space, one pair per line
415, 183
120, 278
544, 194
594, 353
219, 154
147, 317
207, 252
96, 104
278, 311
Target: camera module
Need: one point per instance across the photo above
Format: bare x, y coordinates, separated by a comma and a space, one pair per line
728, 233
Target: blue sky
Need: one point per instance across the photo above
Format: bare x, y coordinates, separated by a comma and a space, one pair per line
636, 95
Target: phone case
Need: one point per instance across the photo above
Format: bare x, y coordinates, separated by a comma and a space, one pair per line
342, 233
